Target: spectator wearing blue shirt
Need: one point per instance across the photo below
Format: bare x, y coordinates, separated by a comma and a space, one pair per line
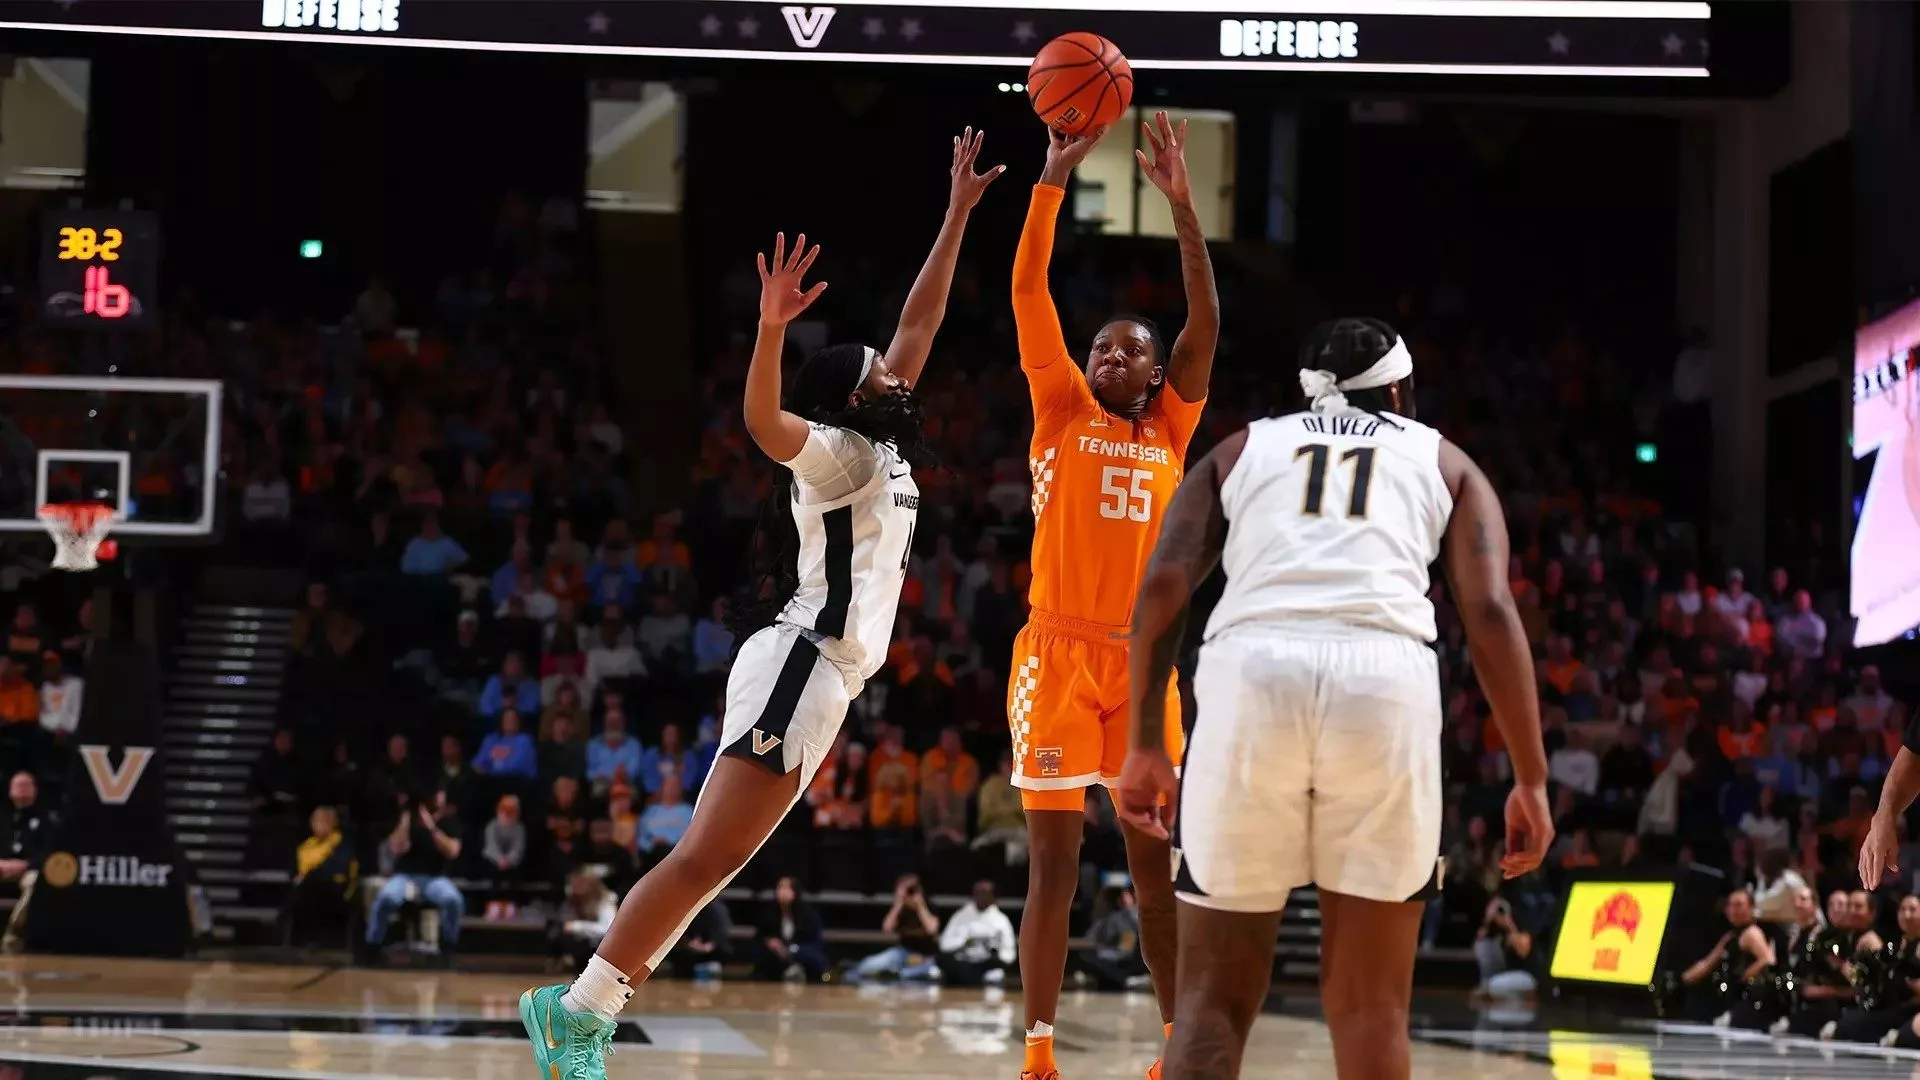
706, 747
670, 758
506, 580
664, 821
613, 754
713, 642
511, 687
613, 579
509, 751
432, 553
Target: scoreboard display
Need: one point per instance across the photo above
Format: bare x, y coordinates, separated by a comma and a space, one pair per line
1648, 39
99, 269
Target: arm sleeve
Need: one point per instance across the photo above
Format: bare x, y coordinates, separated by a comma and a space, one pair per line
1051, 376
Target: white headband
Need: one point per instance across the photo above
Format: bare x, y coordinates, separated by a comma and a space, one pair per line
866, 366
1324, 388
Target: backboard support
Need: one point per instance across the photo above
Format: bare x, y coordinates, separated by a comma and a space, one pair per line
150, 448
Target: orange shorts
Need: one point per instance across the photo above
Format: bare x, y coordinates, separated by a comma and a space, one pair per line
1067, 708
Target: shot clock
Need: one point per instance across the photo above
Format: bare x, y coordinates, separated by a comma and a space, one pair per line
98, 268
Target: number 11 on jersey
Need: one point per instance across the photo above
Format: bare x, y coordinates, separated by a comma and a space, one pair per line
1362, 459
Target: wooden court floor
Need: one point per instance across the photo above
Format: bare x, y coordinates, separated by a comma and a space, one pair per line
86, 1018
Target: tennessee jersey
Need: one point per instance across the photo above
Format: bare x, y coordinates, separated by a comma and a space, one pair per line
1101, 484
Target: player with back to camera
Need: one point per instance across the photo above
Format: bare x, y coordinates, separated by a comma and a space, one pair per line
1108, 447
837, 530
1314, 754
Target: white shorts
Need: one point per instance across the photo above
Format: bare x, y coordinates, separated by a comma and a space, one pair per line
1312, 760
785, 703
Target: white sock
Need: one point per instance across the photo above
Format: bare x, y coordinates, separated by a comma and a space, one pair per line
1041, 1030
601, 990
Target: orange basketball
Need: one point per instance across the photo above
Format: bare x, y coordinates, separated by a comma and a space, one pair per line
1080, 82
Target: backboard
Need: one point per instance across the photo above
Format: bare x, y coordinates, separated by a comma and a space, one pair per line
148, 447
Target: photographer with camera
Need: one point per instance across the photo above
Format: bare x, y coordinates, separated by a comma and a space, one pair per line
919, 933
1505, 953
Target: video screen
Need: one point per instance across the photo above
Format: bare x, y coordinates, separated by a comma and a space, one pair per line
1610, 931
1886, 441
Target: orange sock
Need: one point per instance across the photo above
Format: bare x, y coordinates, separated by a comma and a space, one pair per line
1166, 1030
1040, 1050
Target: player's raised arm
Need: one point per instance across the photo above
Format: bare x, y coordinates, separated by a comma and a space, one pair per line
926, 304
778, 433
1880, 853
1187, 551
1190, 367
1035, 320
1476, 555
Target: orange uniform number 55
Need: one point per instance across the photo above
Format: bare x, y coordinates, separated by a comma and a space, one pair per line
1124, 493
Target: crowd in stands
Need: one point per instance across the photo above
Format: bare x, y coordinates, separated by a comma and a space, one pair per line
41, 683
497, 605
507, 672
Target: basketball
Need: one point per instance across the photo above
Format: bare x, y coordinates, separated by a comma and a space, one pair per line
1080, 82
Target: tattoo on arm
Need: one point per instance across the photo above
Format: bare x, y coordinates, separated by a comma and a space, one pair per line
1193, 349
1482, 542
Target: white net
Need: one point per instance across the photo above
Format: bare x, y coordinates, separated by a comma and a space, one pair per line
78, 530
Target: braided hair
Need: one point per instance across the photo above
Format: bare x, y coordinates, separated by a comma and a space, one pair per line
823, 391
1348, 347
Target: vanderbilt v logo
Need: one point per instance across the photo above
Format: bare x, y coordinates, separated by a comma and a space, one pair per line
115, 786
808, 25
763, 742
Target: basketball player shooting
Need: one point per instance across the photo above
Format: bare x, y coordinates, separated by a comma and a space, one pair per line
1314, 755
836, 533
1108, 443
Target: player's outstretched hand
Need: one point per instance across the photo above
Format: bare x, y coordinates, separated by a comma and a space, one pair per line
969, 185
1880, 853
1068, 151
781, 297
1148, 792
1168, 166
1529, 830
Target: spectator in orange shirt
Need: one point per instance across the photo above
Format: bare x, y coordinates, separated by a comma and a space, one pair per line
1824, 715
563, 577
1853, 827
958, 766
894, 776
1742, 737
19, 700
665, 562
1676, 699
1580, 853
1561, 667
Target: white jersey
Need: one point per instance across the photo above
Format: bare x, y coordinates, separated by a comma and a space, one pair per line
1333, 519
855, 505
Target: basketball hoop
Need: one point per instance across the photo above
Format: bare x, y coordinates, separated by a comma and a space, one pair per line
79, 532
